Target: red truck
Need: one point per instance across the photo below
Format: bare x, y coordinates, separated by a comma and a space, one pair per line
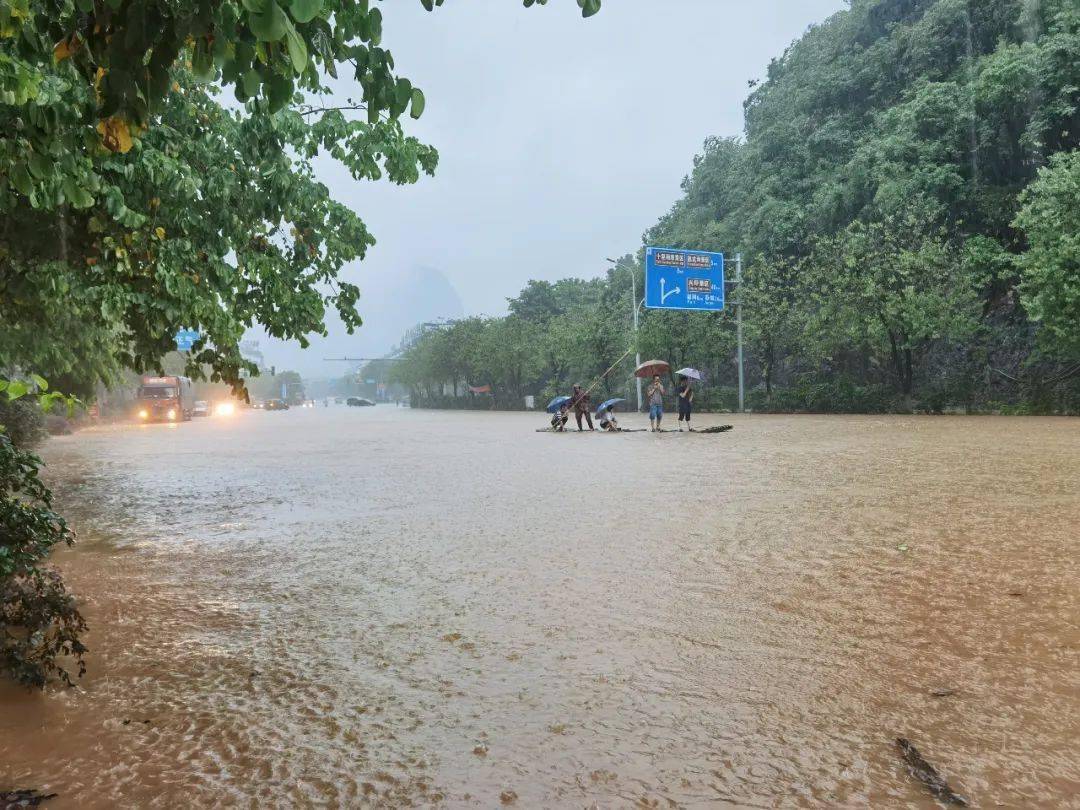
164, 399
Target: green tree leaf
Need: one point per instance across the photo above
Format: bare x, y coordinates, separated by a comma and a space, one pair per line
271, 25
40, 165
416, 108
251, 83
305, 10
17, 389
296, 46
20, 178
202, 60
280, 91
76, 194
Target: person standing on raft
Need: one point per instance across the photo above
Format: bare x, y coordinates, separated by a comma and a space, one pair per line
579, 401
684, 400
656, 403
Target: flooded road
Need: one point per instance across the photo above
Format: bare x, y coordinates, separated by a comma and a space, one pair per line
381, 607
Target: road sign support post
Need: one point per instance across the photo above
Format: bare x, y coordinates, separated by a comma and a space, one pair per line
637, 347
738, 325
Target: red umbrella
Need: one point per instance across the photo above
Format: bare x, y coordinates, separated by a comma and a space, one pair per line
651, 367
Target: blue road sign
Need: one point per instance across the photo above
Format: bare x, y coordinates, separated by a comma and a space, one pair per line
185, 339
683, 279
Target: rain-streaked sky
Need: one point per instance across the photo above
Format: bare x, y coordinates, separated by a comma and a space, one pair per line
561, 140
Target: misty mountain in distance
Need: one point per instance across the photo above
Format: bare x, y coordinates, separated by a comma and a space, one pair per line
400, 301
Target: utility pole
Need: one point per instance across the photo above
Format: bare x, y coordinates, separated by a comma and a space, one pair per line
738, 324
635, 307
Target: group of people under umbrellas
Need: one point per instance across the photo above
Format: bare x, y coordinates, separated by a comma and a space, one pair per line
579, 401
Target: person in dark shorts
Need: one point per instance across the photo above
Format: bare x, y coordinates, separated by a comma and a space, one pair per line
579, 401
685, 399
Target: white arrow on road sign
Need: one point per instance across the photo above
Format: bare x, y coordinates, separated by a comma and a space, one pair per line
665, 295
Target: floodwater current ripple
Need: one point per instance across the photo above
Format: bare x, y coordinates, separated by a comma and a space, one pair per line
379, 607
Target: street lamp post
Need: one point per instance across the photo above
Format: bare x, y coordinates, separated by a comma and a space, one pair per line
738, 325
636, 306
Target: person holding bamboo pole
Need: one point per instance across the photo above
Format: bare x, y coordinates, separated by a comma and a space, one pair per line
579, 401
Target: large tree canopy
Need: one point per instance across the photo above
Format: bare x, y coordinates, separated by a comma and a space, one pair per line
135, 202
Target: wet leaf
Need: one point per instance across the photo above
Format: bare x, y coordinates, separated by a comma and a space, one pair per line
416, 108
296, 46
115, 135
20, 178
269, 26
65, 48
39, 165
16, 389
252, 80
75, 194
281, 88
305, 10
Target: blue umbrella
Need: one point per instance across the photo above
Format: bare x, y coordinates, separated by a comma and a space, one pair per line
608, 405
555, 404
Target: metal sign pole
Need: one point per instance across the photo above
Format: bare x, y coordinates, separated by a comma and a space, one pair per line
637, 349
738, 324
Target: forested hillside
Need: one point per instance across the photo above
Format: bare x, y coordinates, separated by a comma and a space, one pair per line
906, 198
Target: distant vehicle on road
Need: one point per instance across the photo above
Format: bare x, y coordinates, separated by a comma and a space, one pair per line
276, 405
359, 402
164, 399
201, 408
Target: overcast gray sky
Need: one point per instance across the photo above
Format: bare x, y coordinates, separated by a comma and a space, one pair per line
561, 141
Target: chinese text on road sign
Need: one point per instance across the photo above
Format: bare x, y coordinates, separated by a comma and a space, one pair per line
683, 279
185, 339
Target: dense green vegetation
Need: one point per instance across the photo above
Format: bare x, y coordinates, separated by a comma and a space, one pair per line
906, 198
135, 202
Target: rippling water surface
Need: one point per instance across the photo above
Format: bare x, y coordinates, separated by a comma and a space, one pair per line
378, 607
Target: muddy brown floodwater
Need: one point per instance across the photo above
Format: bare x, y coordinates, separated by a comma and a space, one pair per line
378, 607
